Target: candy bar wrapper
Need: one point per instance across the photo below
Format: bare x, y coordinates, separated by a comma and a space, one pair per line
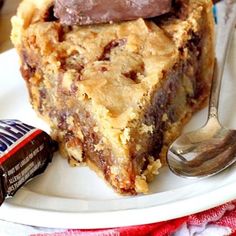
25, 152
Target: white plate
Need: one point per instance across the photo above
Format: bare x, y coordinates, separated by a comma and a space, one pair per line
69, 197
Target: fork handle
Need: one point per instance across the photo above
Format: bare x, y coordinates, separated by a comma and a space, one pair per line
226, 24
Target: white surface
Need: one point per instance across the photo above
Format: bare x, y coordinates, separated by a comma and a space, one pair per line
66, 197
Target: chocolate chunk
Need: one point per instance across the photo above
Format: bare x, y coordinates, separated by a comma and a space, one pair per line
84, 12
25, 152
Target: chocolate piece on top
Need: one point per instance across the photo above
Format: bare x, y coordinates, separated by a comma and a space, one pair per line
84, 12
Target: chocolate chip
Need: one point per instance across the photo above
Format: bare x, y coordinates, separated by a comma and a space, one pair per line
61, 117
42, 97
27, 69
131, 75
74, 88
107, 49
103, 69
49, 15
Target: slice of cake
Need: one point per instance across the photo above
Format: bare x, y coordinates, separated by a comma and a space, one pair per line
116, 95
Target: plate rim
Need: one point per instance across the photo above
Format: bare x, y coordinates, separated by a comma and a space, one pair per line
94, 220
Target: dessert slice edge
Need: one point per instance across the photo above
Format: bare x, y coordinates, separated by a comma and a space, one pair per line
124, 142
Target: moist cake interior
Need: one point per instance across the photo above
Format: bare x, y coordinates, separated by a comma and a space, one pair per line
116, 95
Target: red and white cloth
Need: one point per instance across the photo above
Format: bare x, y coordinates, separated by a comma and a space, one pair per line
219, 221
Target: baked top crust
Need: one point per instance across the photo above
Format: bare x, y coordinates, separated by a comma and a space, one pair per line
135, 44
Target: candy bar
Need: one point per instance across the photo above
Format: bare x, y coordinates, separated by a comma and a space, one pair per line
25, 152
85, 12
